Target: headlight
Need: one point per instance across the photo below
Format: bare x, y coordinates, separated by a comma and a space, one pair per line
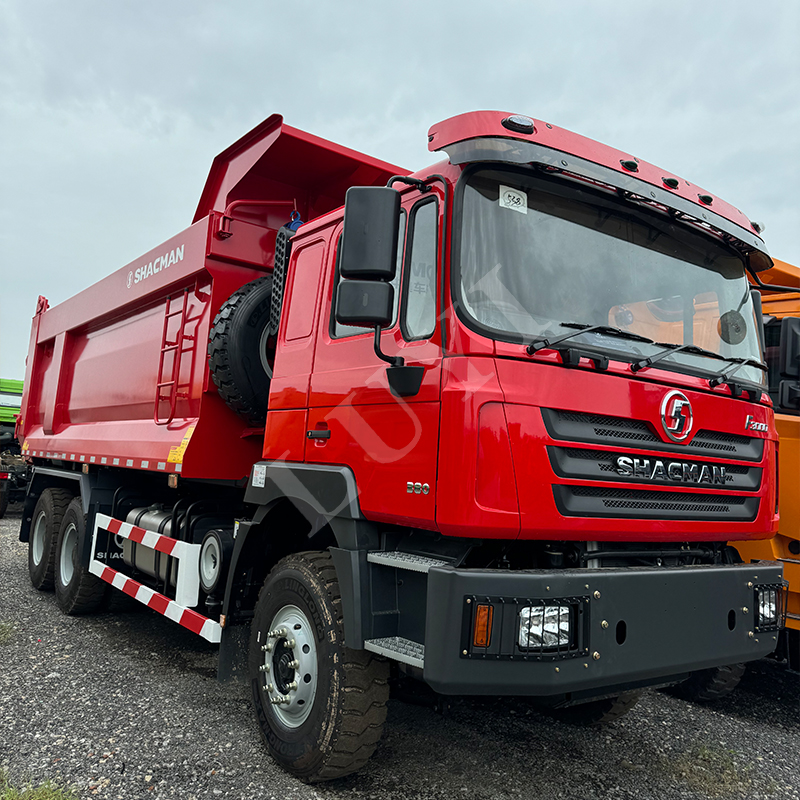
768, 607
545, 626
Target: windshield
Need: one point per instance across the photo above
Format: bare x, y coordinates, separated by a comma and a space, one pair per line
535, 253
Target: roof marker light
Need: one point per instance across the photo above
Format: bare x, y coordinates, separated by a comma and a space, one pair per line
518, 124
706, 199
673, 183
631, 166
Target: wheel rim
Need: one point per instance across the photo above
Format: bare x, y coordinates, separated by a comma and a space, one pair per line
69, 547
290, 666
37, 542
210, 564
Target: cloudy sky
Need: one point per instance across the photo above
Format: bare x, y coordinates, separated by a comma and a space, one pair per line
111, 112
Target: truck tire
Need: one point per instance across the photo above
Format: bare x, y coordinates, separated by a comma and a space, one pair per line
46, 522
77, 590
709, 685
597, 712
240, 353
320, 705
3, 502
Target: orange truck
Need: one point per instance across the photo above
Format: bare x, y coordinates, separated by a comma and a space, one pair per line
785, 546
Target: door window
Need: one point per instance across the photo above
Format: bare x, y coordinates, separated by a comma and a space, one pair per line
419, 289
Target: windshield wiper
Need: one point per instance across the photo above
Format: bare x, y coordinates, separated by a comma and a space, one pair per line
672, 349
544, 344
726, 375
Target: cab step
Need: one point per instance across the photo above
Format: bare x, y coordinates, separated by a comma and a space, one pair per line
398, 649
410, 561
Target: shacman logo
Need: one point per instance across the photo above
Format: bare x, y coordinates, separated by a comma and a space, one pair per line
155, 266
676, 416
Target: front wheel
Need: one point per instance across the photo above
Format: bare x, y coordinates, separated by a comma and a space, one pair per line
320, 705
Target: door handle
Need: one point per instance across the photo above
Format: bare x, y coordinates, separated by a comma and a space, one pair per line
318, 434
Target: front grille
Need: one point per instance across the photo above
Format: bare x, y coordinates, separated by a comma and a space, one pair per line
601, 465
590, 501
604, 430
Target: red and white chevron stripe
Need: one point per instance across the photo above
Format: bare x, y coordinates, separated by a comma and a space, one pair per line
188, 556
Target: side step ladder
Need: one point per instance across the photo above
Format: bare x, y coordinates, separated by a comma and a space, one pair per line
397, 647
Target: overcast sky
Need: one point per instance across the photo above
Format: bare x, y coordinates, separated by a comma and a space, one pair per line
111, 112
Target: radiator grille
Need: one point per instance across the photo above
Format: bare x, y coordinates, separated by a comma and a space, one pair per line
589, 501
599, 429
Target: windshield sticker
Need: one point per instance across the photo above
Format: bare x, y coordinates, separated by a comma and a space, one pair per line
513, 199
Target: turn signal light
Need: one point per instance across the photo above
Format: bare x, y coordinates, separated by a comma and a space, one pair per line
482, 634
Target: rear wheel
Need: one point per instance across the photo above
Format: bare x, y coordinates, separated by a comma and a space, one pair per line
77, 590
597, 712
320, 705
47, 517
708, 685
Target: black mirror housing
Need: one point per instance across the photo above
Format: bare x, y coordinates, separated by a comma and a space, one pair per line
365, 303
369, 240
789, 360
789, 394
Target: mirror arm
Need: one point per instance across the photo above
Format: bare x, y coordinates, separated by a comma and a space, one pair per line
421, 185
395, 361
771, 287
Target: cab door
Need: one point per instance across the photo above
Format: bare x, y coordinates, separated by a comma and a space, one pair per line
390, 442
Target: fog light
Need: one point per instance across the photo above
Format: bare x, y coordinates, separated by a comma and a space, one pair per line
544, 626
767, 616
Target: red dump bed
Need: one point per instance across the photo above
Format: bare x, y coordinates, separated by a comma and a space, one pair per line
118, 374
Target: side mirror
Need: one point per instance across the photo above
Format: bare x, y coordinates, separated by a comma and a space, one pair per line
789, 359
789, 394
364, 303
369, 240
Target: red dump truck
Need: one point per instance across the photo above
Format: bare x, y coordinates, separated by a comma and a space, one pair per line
490, 426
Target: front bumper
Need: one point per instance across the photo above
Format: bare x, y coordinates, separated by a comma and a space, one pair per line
631, 627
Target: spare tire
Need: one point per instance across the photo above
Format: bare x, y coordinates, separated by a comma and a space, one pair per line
241, 350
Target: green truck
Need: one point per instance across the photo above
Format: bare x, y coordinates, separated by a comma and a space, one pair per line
13, 471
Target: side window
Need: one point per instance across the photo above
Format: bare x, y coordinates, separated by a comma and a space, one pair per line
340, 331
418, 318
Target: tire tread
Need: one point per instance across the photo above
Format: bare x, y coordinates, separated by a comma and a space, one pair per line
366, 691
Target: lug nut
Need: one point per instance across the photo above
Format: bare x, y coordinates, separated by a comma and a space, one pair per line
292, 685
264, 668
290, 643
270, 687
293, 664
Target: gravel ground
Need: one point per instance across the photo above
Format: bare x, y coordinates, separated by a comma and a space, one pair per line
126, 705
